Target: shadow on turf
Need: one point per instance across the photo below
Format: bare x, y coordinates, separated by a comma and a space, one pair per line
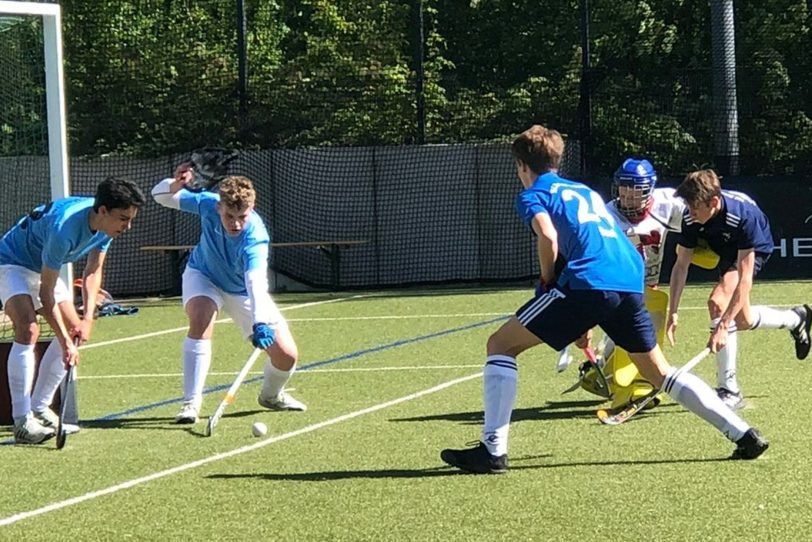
552, 410
326, 476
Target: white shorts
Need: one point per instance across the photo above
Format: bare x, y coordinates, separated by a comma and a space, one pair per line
17, 280
197, 284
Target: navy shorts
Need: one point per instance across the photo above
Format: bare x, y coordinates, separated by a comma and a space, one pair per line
561, 315
730, 258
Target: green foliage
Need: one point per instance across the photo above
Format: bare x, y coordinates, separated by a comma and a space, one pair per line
158, 76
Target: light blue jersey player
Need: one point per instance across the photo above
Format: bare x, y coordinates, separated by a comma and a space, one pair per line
601, 284
228, 269
32, 254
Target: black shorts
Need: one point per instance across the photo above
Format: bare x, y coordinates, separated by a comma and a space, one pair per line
561, 315
728, 260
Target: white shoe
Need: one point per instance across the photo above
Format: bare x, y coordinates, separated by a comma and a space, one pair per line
188, 414
29, 430
47, 417
564, 360
283, 401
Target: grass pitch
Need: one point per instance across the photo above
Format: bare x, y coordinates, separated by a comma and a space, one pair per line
391, 378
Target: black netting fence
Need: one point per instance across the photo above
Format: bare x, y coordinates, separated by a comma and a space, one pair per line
331, 103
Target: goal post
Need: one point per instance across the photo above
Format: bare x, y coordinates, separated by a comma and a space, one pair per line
33, 122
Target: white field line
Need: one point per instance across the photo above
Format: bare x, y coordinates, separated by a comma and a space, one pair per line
222, 320
225, 455
298, 373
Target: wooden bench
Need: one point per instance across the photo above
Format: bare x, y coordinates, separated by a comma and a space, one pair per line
332, 249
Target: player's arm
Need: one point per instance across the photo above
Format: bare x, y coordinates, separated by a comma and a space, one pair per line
256, 284
679, 275
91, 285
547, 245
168, 191
52, 314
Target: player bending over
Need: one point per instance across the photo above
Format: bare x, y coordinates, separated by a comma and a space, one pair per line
732, 226
228, 269
602, 284
31, 254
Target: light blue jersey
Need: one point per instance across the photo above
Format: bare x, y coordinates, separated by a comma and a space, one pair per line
223, 258
599, 255
53, 235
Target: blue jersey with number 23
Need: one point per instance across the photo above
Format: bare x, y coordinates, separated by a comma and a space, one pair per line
599, 255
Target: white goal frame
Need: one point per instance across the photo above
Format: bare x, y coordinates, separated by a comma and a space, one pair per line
54, 95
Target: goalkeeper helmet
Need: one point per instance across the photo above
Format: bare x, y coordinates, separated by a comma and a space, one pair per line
632, 188
209, 167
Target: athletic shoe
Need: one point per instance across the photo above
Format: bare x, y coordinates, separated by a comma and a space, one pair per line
47, 417
734, 401
564, 360
29, 430
801, 333
477, 460
283, 401
188, 414
750, 446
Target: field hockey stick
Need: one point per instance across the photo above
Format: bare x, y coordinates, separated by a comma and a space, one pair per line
603, 380
636, 406
232, 391
65, 393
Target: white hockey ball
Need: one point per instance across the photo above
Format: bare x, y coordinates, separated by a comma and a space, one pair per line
259, 429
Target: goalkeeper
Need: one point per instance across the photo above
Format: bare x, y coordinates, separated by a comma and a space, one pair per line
646, 214
228, 269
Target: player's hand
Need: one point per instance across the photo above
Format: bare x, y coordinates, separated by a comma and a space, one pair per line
263, 337
82, 331
184, 174
585, 340
671, 329
70, 354
718, 339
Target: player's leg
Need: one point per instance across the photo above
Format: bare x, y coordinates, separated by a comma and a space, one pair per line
553, 318
202, 301
632, 329
727, 384
19, 291
51, 366
283, 354
797, 320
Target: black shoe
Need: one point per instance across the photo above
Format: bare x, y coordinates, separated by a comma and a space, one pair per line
477, 460
750, 446
801, 333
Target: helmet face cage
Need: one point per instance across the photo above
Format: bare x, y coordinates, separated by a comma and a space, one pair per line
638, 178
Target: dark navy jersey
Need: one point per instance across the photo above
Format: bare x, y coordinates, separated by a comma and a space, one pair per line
738, 225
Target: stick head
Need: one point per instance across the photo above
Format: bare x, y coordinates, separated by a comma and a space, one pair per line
209, 167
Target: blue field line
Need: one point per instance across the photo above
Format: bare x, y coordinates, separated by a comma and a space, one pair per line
345, 357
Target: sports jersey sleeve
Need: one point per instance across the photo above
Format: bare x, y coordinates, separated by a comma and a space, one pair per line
748, 234
528, 205
55, 250
687, 236
196, 202
104, 247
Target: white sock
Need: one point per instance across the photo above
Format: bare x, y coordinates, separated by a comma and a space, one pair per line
275, 380
196, 363
499, 391
692, 393
726, 360
20, 378
51, 372
770, 318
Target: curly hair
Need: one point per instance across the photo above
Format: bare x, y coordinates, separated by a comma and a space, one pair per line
238, 192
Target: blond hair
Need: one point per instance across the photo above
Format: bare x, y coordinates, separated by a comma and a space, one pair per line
539, 148
700, 186
237, 192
